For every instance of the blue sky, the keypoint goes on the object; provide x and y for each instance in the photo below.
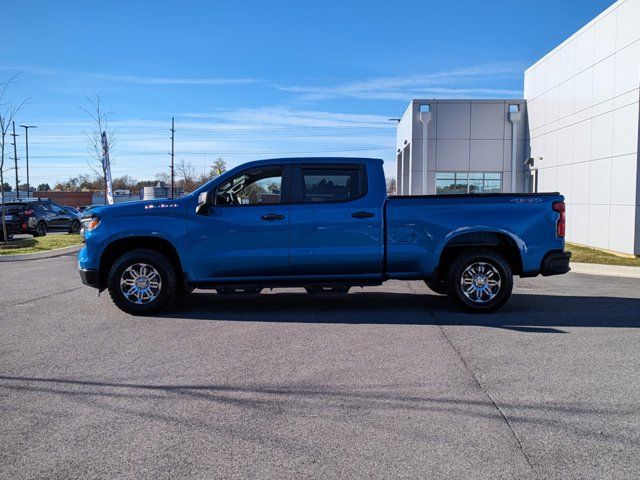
(249, 80)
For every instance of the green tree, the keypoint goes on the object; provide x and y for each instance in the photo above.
(44, 187)
(6, 187)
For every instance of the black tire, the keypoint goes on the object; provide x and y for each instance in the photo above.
(40, 230)
(478, 267)
(75, 227)
(167, 284)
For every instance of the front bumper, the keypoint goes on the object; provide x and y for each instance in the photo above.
(555, 263)
(90, 277)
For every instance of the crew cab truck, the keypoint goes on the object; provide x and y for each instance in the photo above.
(325, 224)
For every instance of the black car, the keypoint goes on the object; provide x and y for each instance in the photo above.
(37, 217)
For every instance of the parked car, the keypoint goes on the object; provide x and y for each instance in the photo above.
(324, 224)
(12, 222)
(37, 217)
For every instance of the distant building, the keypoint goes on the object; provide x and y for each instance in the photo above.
(576, 132)
(461, 146)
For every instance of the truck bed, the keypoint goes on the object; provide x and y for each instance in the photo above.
(420, 227)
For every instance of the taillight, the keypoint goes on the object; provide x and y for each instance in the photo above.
(562, 219)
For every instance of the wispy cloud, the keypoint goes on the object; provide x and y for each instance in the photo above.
(285, 117)
(172, 80)
(59, 150)
(456, 83)
(130, 79)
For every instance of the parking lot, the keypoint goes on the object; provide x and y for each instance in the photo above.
(389, 382)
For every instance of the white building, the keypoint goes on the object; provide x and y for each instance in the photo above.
(576, 132)
(583, 127)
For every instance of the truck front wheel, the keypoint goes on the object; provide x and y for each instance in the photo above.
(142, 281)
(480, 281)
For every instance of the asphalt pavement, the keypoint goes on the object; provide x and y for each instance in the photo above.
(389, 382)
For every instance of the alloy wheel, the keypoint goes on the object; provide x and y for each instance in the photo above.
(140, 283)
(480, 282)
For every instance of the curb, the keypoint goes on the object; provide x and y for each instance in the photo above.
(58, 252)
(605, 270)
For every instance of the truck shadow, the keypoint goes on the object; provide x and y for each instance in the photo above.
(534, 313)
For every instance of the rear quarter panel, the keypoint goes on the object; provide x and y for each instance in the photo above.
(419, 228)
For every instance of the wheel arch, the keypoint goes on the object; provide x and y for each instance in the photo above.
(502, 242)
(121, 246)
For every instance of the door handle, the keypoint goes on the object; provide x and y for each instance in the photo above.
(363, 215)
(270, 217)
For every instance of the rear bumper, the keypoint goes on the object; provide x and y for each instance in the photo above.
(90, 277)
(555, 263)
(13, 227)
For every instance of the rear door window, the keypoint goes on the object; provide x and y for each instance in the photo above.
(331, 184)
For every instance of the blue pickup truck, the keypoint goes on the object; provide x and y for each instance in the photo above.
(325, 224)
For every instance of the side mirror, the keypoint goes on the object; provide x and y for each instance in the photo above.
(204, 200)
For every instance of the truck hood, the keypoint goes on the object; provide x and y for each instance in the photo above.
(138, 207)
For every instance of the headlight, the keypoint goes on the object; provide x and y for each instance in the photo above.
(90, 223)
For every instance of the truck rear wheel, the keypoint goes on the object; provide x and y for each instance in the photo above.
(480, 281)
(142, 281)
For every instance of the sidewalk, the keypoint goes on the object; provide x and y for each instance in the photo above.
(605, 270)
(36, 256)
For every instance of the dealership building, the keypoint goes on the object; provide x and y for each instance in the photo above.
(576, 131)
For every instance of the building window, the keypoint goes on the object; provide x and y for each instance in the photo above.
(454, 182)
(468, 182)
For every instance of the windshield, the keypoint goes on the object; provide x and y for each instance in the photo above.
(14, 207)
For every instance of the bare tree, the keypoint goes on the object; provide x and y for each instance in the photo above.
(162, 177)
(391, 186)
(8, 111)
(99, 123)
(185, 170)
(218, 168)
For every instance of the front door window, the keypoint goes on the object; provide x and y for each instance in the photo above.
(258, 186)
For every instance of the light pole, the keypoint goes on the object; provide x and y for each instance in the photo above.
(15, 157)
(26, 139)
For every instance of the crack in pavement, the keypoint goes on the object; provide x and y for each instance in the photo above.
(43, 297)
(475, 377)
